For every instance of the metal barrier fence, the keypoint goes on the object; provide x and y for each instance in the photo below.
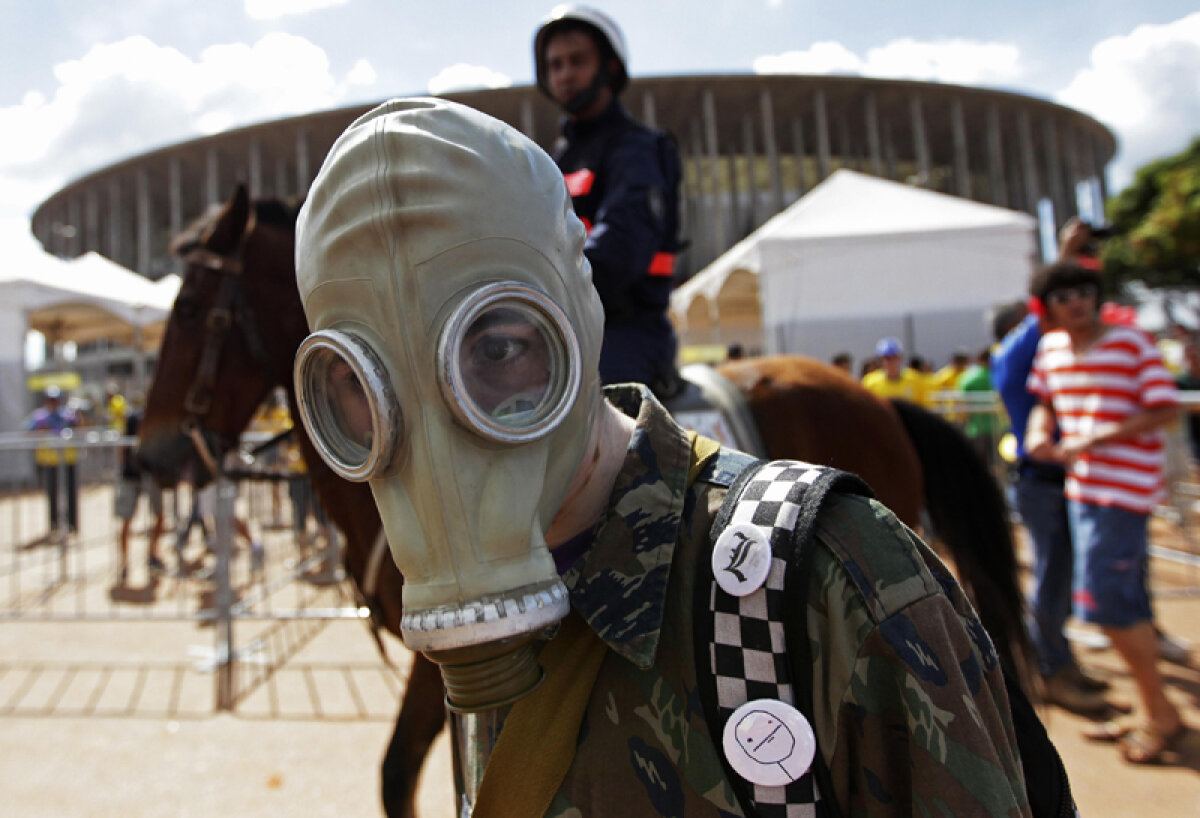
(66, 566)
(981, 417)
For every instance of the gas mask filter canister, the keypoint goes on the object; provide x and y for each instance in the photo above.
(452, 365)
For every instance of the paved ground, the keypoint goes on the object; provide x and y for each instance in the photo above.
(138, 737)
(117, 719)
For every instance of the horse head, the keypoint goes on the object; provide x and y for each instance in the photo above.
(234, 261)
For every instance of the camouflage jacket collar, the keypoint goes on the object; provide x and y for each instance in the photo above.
(619, 585)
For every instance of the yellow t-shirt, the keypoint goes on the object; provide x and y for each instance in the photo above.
(911, 385)
(118, 409)
(944, 380)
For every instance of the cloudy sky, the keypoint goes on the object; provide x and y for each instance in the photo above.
(88, 83)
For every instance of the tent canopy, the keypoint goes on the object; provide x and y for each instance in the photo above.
(89, 298)
(859, 245)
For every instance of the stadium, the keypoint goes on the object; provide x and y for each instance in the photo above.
(751, 144)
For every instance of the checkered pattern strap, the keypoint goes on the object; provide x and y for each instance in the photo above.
(748, 642)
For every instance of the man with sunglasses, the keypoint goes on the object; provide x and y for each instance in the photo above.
(1105, 391)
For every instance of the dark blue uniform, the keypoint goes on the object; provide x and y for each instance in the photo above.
(617, 184)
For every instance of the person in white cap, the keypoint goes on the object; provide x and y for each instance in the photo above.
(555, 536)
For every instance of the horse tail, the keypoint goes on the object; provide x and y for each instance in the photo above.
(968, 514)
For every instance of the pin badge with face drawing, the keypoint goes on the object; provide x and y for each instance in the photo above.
(769, 742)
(741, 559)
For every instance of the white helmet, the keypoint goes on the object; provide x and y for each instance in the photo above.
(600, 22)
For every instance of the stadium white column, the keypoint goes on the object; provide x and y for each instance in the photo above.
(735, 200)
(801, 157)
(709, 111)
(704, 204)
(212, 178)
(889, 150)
(91, 220)
(74, 232)
(1033, 193)
(871, 114)
(920, 142)
(1099, 169)
(302, 172)
(254, 162)
(115, 218)
(995, 144)
(649, 110)
(1054, 176)
(845, 148)
(962, 162)
(1071, 153)
(281, 177)
(143, 222)
(1095, 173)
(771, 147)
(527, 119)
(822, 120)
(748, 150)
(174, 195)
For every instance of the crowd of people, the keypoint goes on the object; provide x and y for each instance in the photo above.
(1088, 403)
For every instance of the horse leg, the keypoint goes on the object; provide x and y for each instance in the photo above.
(422, 713)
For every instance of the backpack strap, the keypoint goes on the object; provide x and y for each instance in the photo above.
(757, 645)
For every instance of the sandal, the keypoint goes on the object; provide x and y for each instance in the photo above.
(1109, 731)
(1146, 744)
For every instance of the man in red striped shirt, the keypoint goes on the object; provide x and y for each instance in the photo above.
(1106, 391)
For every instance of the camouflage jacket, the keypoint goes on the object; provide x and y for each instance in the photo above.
(910, 707)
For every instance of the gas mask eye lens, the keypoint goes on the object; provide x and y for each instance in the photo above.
(347, 404)
(347, 407)
(509, 362)
(505, 364)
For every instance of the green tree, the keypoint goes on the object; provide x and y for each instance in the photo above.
(1157, 221)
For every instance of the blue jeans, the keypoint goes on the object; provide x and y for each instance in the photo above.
(1111, 549)
(1043, 510)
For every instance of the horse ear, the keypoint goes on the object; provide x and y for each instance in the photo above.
(231, 223)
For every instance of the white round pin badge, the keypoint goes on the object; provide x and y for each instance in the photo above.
(769, 742)
(741, 559)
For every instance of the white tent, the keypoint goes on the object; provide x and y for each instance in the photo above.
(86, 299)
(81, 300)
(856, 259)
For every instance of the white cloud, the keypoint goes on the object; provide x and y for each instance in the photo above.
(122, 98)
(819, 58)
(363, 73)
(1146, 86)
(953, 60)
(462, 77)
(274, 9)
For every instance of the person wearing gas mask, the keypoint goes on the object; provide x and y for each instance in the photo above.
(555, 535)
(624, 180)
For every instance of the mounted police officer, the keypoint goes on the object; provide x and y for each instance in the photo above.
(623, 179)
(557, 537)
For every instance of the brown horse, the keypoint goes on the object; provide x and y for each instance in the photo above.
(238, 321)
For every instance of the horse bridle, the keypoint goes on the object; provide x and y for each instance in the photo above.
(231, 307)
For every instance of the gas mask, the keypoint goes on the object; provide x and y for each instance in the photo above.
(453, 365)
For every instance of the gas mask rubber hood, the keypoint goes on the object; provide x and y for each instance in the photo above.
(453, 365)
